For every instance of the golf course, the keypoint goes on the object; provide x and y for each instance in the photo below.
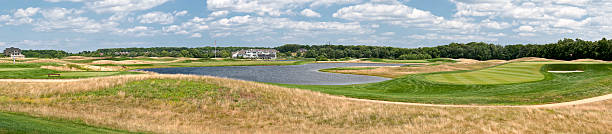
(85, 100)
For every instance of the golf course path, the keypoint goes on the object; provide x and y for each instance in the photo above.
(571, 103)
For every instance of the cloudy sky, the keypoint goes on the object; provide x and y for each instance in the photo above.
(76, 25)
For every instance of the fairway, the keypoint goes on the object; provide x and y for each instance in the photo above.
(504, 74)
(15, 69)
(88, 74)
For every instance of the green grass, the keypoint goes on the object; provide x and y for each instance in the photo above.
(394, 61)
(554, 88)
(15, 69)
(165, 89)
(87, 74)
(17, 123)
(349, 68)
(504, 74)
(33, 71)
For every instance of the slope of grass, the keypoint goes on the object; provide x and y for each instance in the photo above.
(504, 74)
(16, 123)
(594, 81)
(193, 104)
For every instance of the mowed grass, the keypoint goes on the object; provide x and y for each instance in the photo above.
(33, 71)
(554, 88)
(17, 124)
(15, 69)
(503, 74)
(87, 74)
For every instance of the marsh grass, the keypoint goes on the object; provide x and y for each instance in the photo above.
(144, 103)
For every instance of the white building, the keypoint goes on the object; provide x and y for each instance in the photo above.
(255, 54)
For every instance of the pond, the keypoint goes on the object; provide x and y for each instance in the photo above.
(306, 74)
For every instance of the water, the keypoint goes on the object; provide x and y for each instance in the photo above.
(306, 74)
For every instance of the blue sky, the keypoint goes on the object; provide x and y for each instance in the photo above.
(77, 25)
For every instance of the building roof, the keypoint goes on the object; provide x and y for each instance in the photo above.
(256, 50)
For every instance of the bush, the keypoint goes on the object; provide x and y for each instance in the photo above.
(321, 58)
(414, 56)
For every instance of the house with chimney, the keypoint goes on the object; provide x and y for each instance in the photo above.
(13, 52)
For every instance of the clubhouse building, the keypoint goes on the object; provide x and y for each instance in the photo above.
(255, 54)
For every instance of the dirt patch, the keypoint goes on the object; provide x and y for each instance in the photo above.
(46, 61)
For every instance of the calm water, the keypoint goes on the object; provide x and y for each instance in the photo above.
(307, 74)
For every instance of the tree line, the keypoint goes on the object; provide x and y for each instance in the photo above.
(566, 49)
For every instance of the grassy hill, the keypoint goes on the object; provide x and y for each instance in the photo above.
(193, 104)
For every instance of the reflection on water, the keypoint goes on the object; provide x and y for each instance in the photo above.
(307, 74)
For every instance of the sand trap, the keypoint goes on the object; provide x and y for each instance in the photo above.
(577, 71)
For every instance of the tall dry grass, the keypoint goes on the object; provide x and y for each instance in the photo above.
(263, 108)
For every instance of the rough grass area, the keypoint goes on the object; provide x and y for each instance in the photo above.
(193, 104)
(16, 124)
(504, 74)
(595, 81)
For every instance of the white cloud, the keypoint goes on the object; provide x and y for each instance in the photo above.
(196, 35)
(23, 16)
(138, 31)
(310, 13)
(526, 29)
(64, 0)
(59, 13)
(219, 13)
(180, 13)
(402, 15)
(30, 11)
(495, 25)
(269, 7)
(157, 17)
(388, 33)
(113, 6)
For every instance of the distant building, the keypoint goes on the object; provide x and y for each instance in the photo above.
(255, 54)
(13, 52)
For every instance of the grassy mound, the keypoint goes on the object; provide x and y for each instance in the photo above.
(191, 104)
(504, 74)
(595, 81)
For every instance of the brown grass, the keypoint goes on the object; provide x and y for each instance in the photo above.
(394, 72)
(262, 108)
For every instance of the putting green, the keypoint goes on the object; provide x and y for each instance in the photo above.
(88, 74)
(15, 69)
(504, 74)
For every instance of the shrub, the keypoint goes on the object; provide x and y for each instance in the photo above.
(414, 56)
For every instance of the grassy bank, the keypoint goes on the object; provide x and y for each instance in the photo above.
(192, 104)
(417, 88)
(18, 123)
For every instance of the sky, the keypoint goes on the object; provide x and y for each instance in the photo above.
(78, 25)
